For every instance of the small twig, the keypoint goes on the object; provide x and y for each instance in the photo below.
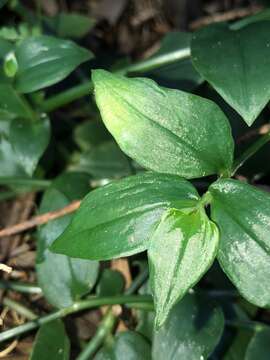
(265, 128)
(19, 308)
(20, 287)
(40, 219)
(225, 16)
(4, 353)
(5, 268)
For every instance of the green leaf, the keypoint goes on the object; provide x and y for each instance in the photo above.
(9, 162)
(191, 332)
(145, 318)
(2, 3)
(51, 342)
(242, 213)
(128, 345)
(263, 15)
(89, 134)
(110, 283)
(63, 279)
(259, 346)
(104, 161)
(29, 140)
(11, 104)
(157, 126)
(119, 218)
(236, 64)
(180, 74)
(5, 47)
(181, 250)
(44, 61)
(70, 25)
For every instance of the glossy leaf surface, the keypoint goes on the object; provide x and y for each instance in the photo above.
(119, 218)
(63, 279)
(9, 162)
(29, 140)
(44, 61)
(157, 126)
(235, 63)
(181, 250)
(51, 342)
(191, 332)
(128, 345)
(242, 213)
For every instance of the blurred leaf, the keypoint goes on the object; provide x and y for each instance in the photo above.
(70, 25)
(51, 342)
(45, 60)
(111, 283)
(191, 332)
(5, 47)
(146, 319)
(63, 279)
(2, 3)
(11, 104)
(259, 346)
(29, 140)
(91, 133)
(181, 74)
(104, 161)
(128, 345)
(156, 126)
(118, 219)
(240, 76)
(238, 347)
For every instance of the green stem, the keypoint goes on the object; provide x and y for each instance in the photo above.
(84, 89)
(19, 308)
(74, 308)
(256, 146)
(109, 320)
(20, 287)
(249, 325)
(29, 182)
(104, 329)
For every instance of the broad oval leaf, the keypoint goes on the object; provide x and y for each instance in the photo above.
(29, 139)
(128, 345)
(45, 60)
(51, 342)
(63, 279)
(119, 218)
(181, 250)
(191, 332)
(242, 213)
(259, 346)
(236, 63)
(157, 126)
